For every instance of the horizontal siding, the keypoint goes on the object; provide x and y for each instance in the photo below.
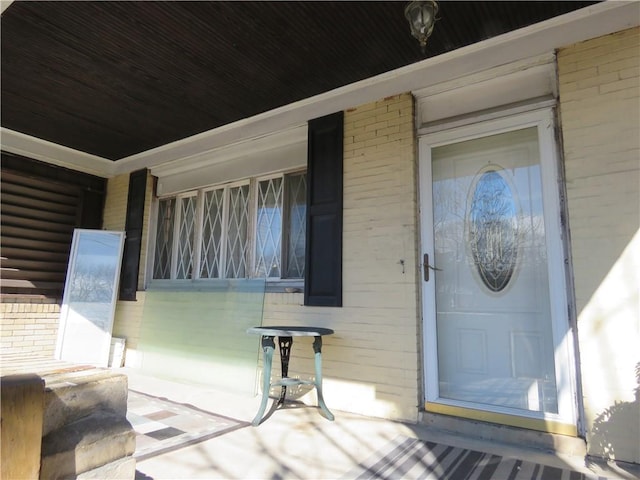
(38, 218)
(40, 206)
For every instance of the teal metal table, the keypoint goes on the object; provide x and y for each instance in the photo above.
(285, 336)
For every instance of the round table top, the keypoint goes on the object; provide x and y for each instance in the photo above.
(290, 331)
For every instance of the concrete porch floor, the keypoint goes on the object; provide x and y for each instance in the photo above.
(298, 443)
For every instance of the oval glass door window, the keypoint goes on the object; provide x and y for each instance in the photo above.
(493, 230)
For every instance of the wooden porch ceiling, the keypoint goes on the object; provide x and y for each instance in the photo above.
(114, 79)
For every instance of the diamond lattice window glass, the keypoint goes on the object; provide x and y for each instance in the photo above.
(164, 239)
(211, 251)
(237, 229)
(269, 228)
(296, 211)
(186, 237)
(209, 233)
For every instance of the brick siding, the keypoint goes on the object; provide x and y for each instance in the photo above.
(600, 113)
(371, 363)
(29, 326)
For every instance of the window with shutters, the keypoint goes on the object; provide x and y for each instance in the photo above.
(250, 229)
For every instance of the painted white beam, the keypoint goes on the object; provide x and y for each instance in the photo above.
(279, 151)
(52, 153)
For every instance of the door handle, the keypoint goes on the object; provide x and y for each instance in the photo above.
(426, 267)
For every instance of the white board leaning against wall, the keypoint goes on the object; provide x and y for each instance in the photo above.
(90, 294)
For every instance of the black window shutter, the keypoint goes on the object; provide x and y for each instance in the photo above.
(323, 256)
(133, 239)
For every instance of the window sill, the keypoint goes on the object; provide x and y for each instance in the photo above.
(270, 286)
(285, 286)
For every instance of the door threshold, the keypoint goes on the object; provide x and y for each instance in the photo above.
(487, 430)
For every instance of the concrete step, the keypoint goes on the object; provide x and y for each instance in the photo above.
(86, 444)
(70, 396)
(122, 469)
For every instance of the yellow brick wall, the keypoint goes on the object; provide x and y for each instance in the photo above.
(128, 315)
(600, 115)
(29, 326)
(128, 319)
(115, 205)
(371, 363)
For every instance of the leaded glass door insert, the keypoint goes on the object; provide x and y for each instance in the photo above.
(496, 327)
(493, 225)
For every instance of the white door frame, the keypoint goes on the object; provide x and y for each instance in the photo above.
(543, 119)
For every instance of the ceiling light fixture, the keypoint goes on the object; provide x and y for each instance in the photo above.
(422, 17)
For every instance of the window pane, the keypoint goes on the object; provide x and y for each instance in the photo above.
(186, 237)
(296, 188)
(237, 227)
(212, 235)
(269, 228)
(164, 239)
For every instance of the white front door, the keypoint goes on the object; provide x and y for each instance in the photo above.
(497, 336)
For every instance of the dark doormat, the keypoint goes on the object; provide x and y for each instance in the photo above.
(410, 458)
(162, 425)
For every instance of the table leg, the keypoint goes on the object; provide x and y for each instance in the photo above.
(317, 348)
(285, 351)
(268, 346)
